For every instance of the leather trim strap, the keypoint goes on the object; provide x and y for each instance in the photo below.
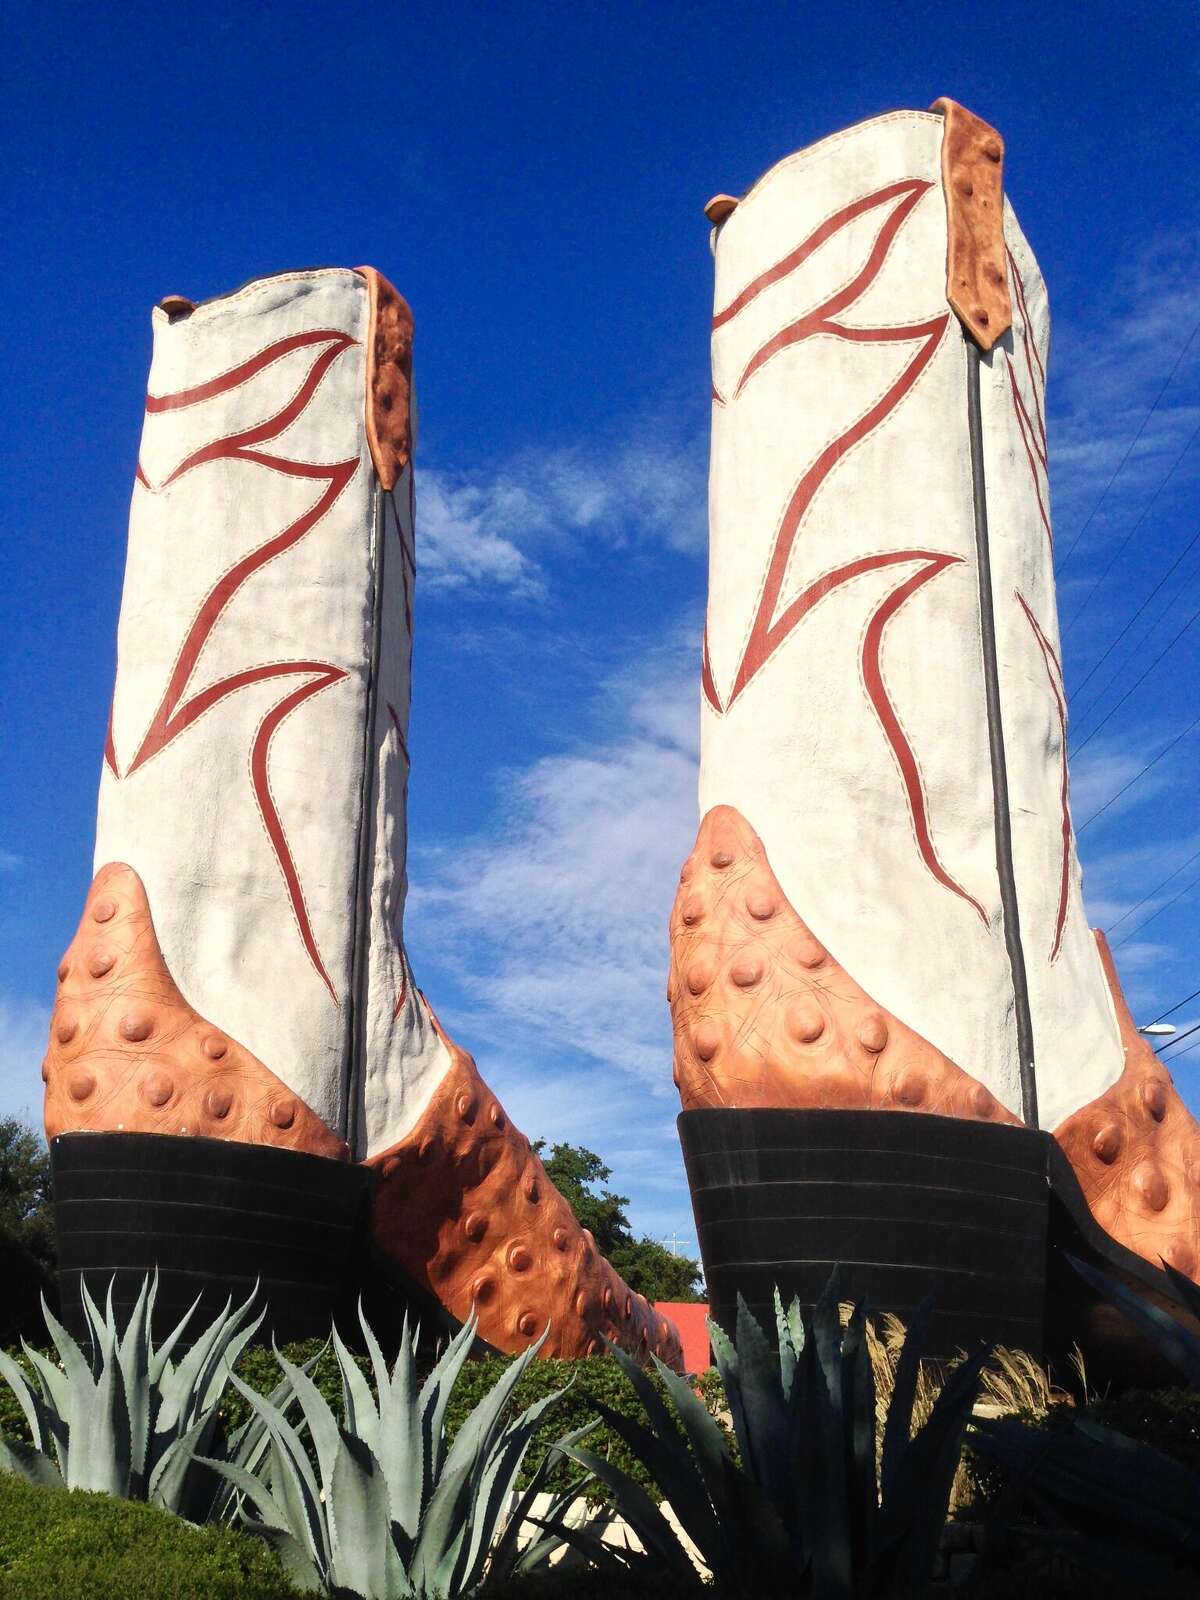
(389, 378)
(973, 180)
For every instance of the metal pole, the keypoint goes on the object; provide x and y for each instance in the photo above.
(991, 679)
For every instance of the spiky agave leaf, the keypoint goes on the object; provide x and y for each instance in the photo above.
(121, 1418)
(338, 1527)
(1120, 1507)
(510, 1559)
(449, 1513)
(803, 1512)
(1176, 1343)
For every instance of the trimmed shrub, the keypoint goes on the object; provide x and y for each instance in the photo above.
(1166, 1419)
(58, 1543)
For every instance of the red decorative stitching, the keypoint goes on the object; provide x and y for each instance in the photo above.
(1033, 433)
(767, 631)
(1031, 350)
(1055, 674)
(175, 713)
(908, 191)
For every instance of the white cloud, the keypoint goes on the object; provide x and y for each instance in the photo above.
(1099, 773)
(489, 527)
(458, 542)
(24, 1025)
(1109, 365)
(556, 923)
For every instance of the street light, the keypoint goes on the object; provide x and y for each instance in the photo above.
(1159, 1029)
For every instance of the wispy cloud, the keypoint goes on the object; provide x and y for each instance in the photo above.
(1100, 773)
(555, 922)
(494, 526)
(10, 861)
(23, 1028)
(1108, 367)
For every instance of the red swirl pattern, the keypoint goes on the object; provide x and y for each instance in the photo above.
(177, 710)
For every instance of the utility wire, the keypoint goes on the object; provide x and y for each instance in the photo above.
(1166, 906)
(1179, 1038)
(1132, 443)
(1146, 510)
(1190, 623)
(1179, 559)
(1172, 1011)
(1181, 1053)
(1137, 779)
(1146, 898)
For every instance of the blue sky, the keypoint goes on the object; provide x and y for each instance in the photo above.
(531, 177)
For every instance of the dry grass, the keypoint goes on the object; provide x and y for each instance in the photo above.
(1012, 1381)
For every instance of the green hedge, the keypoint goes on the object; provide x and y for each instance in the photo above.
(56, 1545)
(594, 1375)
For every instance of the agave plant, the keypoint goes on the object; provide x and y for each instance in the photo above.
(1106, 1502)
(126, 1419)
(1175, 1343)
(805, 1512)
(391, 1510)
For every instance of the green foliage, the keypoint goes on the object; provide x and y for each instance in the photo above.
(392, 1509)
(26, 1229)
(126, 1419)
(1105, 1503)
(1167, 1419)
(26, 1200)
(591, 1379)
(1105, 1500)
(647, 1267)
(56, 1545)
(802, 1513)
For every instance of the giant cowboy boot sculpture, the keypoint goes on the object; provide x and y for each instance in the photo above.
(240, 972)
(883, 909)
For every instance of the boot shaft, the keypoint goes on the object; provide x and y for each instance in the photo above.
(844, 704)
(256, 767)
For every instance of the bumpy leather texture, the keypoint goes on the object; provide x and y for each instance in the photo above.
(128, 1053)
(255, 776)
(1136, 1152)
(465, 1207)
(764, 1014)
(843, 709)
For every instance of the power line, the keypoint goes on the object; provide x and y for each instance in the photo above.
(1146, 898)
(1166, 906)
(1179, 1040)
(1149, 506)
(1172, 1011)
(1136, 779)
(1191, 622)
(1191, 545)
(1182, 1053)
(1132, 443)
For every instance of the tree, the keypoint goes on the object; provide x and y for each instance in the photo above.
(26, 1231)
(26, 1203)
(578, 1173)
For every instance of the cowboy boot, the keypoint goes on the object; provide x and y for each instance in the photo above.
(883, 718)
(251, 834)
